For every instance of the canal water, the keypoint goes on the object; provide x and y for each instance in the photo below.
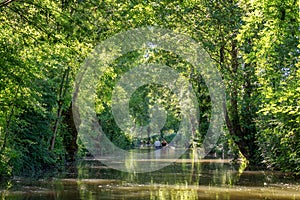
(185, 179)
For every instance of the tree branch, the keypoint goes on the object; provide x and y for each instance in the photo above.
(5, 3)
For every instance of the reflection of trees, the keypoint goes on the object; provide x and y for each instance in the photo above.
(179, 192)
(186, 179)
(187, 170)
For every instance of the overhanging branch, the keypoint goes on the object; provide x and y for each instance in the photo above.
(5, 3)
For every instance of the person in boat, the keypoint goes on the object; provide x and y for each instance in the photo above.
(157, 144)
(164, 143)
(148, 143)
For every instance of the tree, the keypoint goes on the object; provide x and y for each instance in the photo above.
(36, 50)
(271, 45)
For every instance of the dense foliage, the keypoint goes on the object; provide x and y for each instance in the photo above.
(270, 41)
(254, 44)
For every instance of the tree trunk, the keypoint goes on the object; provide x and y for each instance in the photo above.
(8, 121)
(70, 137)
(243, 134)
(62, 93)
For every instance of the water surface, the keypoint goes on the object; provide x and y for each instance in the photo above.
(185, 179)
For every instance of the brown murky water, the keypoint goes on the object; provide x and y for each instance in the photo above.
(185, 179)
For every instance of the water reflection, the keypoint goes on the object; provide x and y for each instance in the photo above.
(186, 179)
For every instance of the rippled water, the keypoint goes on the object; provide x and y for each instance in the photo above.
(185, 179)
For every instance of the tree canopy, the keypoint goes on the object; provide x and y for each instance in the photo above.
(254, 44)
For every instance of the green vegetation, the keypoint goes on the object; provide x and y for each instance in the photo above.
(254, 44)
